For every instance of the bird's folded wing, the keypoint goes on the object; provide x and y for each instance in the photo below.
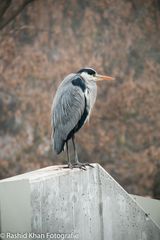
(68, 110)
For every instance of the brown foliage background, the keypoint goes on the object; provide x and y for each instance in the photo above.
(52, 38)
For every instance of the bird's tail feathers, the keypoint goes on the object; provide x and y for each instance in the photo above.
(58, 143)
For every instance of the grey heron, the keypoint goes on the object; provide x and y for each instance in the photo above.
(71, 108)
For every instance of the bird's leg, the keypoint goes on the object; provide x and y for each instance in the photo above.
(68, 156)
(75, 150)
(77, 163)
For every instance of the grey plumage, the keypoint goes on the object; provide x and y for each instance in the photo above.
(71, 108)
(68, 108)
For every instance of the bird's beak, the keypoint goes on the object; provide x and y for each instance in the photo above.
(103, 77)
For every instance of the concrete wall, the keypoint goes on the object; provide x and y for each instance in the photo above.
(88, 205)
(150, 206)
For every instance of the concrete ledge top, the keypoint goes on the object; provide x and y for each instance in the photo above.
(90, 203)
(48, 172)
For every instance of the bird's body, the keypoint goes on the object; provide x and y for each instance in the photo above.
(71, 108)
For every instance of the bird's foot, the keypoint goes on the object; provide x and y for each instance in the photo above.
(88, 164)
(79, 165)
(82, 165)
(70, 165)
(76, 165)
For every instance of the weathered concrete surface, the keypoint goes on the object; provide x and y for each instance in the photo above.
(150, 206)
(89, 204)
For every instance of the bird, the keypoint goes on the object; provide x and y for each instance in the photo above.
(71, 108)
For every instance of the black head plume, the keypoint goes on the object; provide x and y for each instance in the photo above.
(88, 70)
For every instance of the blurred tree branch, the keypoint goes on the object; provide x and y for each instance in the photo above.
(5, 6)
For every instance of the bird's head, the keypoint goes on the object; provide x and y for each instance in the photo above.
(90, 74)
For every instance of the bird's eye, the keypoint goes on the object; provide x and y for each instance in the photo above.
(92, 73)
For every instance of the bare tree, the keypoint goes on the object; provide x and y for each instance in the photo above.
(6, 6)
